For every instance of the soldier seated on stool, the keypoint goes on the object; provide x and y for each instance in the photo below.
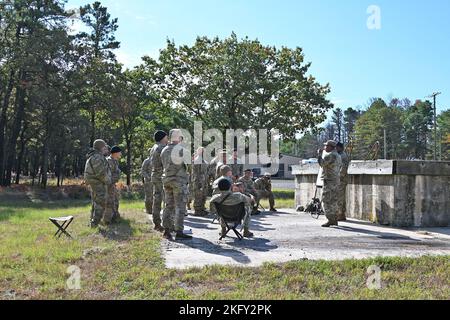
(234, 198)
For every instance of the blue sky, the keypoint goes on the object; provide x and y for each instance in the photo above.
(409, 56)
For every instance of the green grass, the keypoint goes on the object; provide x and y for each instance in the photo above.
(128, 264)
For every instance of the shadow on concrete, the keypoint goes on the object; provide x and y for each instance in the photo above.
(380, 235)
(215, 249)
(424, 230)
(255, 244)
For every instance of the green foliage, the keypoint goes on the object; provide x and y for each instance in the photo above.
(444, 133)
(235, 83)
(370, 127)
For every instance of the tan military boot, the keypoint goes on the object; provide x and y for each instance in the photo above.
(181, 236)
(247, 233)
(159, 228)
(167, 235)
(330, 224)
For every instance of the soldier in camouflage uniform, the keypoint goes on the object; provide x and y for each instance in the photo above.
(113, 193)
(249, 188)
(216, 163)
(236, 166)
(157, 173)
(330, 161)
(98, 176)
(175, 181)
(343, 182)
(225, 173)
(229, 198)
(263, 188)
(146, 174)
(199, 180)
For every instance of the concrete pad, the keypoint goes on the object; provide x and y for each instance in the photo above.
(287, 236)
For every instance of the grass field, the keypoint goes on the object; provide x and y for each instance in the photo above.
(125, 262)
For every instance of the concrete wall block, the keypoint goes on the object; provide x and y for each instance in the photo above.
(397, 193)
(432, 201)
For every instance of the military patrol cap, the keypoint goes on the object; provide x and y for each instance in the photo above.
(99, 144)
(159, 135)
(115, 149)
(330, 143)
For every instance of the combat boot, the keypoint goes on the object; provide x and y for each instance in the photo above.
(181, 236)
(93, 224)
(256, 212)
(273, 210)
(159, 228)
(167, 235)
(202, 213)
(330, 224)
(247, 233)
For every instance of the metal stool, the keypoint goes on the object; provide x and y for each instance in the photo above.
(62, 224)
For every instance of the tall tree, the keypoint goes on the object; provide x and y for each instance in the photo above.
(99, 59)
(444, 130)
(417, 127)
(372, 125)
(235, 83)
(338, 121)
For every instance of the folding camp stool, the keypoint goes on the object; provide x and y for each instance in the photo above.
(62, 224)
(232, 217)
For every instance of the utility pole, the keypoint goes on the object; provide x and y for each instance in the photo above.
(434, 95)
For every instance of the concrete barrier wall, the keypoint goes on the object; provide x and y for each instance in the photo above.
(396, 193)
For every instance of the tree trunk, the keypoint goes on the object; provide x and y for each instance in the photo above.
(92, 125)
(3, 120)
(128, 141)
(44, 168)
(21, 153)
(17, 124)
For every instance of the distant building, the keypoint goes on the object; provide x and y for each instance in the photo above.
(284, 168)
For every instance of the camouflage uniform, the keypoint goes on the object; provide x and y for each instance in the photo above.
(249, 187)
(190, 187)
(175, 181)
(214, 168)
(113, 193)
(146, 173)
(98, 176)
(343, 186)
(331, 165)
(199, 179)
(264, 190)
(157, 173)
(236, 167)
(234, 199)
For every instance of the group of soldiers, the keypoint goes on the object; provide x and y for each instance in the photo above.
(173, 183)
(177, 184)
(334, 162)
